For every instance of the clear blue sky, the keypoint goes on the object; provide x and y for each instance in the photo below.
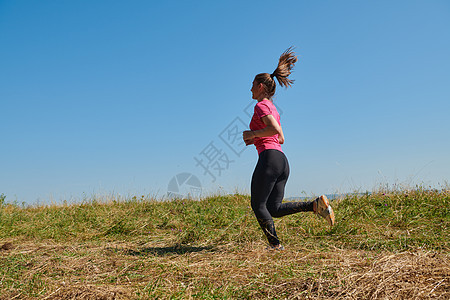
(118, 97)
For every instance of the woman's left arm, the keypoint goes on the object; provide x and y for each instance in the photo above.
(272, 128)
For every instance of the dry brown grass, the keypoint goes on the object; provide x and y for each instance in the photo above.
(128, 270)
(383, 246)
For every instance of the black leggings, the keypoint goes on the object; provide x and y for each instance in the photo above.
(267, 192)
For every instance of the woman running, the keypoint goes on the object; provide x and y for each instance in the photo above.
(272, 170)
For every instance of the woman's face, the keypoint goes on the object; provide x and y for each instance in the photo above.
(256, 90)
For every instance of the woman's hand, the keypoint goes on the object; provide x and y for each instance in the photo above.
(249, 137)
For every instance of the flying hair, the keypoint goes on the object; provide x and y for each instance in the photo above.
(285, 65)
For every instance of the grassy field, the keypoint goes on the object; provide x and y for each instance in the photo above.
(392, 245)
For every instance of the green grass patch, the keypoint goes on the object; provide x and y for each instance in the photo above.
(214, 249)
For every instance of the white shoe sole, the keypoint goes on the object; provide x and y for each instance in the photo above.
(324, 209)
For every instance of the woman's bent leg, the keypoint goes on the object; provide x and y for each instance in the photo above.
(278, 209)
(275, 206)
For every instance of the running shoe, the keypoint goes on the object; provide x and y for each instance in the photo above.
(323, 208)
(276, 248)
